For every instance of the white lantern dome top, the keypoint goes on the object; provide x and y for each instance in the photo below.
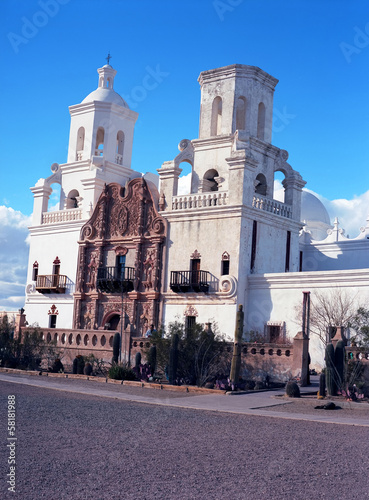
(105, 91)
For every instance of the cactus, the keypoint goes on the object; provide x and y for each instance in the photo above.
(152, 358)
(87, 369)
(322, 385)
(236, 359)
(75, 365)
(116, 347)
(80, 365)
(173, 359)
(292, 389)
(339, 362)
(330, 373)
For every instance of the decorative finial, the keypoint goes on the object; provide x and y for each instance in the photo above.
(109, 57)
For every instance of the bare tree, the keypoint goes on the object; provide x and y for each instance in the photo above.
(330, 310)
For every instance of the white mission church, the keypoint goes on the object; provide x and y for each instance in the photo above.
(126, 241)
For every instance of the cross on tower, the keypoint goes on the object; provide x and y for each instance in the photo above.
(109, 57)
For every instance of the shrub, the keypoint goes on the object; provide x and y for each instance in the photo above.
(121, 372)
(87, 369)
(57, 366)
(292, 389)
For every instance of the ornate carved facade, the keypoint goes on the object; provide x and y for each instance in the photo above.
(124, 233)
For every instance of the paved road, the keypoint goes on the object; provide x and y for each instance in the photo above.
(77, 446)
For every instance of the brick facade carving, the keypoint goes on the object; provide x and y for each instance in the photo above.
(125, 222)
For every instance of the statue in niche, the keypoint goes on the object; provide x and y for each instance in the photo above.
(149, 268)
(92, 270)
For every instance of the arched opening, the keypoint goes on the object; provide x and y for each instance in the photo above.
(278, 189)
(216, 116)
(99, 148)
(72, 200)
(261, 185)
(185, 179)
(54, 199)
(108, 83)
(208, 182)
(120, 147)
(261, 121)
(241, 113)
(80, 143)
(114, 322)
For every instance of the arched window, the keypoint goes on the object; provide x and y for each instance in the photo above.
(99, 148)
(72, 200)
(80, 143)
(108, 83)
(54, 199)
(261, 185)
(120, 147)
(261, 121)
(216, 116)
(209, 183)
(241, 113)
(225, 263)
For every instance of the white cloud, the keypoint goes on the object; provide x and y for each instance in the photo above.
(184, 184)
(13, 257)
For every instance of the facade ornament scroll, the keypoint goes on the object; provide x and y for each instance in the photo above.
(186, 153)
(195, 255)
(53, 310)
(191, 311)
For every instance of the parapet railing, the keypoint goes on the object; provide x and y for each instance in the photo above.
(200, 200)
(62, 216)
(272, 206)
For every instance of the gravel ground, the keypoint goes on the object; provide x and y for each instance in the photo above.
(306, 405)
(73, 446)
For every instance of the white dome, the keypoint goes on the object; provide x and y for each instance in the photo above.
(105, 95)
(312, 209)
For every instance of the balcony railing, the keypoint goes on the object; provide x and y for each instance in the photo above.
(202, 200)
(189, 281)
(272, 206)
(62, 215)
(51, 283)
(115, 280)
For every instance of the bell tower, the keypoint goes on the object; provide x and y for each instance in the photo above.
(102, 125)
(237, 97)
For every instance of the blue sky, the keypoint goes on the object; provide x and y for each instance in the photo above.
(318, 49)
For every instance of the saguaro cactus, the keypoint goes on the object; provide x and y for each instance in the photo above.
(236, 359)
(330, 374)
(116, 347)
(339, 362)
(173, 359)
(152, 358)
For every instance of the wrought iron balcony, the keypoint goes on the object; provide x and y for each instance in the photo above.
(189, 281)
(51, 283)
(115, 279)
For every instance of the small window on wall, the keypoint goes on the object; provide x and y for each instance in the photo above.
(190, 323)
(52, 321)
(35, 271)
(225, 264)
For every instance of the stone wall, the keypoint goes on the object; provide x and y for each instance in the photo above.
(257, 360)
